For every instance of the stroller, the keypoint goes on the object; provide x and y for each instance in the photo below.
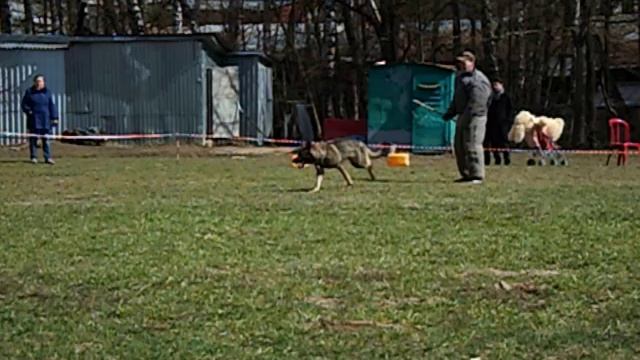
(545, 149)
(540, 134)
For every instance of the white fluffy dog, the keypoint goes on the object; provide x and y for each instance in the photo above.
(539, 133)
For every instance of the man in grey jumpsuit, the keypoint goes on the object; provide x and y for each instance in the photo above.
(470, 103)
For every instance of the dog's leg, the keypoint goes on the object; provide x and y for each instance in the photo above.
(370, 170)
(345, 174)
(368, 164)
(319, 179)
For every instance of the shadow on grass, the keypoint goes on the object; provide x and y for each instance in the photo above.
(390, 181)
(298, 190)
(15, 161)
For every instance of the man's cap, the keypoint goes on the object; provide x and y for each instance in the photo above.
(466, 55)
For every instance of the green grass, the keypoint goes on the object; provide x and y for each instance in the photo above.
(150, 258)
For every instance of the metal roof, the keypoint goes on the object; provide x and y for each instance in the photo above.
(31, 46)
(30, 42)
(244, 54)
(56, 42)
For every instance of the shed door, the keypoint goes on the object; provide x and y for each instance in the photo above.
(209, 97)
(432, 95)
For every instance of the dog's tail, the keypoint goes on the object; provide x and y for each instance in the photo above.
(385, 151)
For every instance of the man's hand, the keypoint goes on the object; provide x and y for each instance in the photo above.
(54, 122)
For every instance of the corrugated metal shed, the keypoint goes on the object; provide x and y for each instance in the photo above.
(129, 85)
(19, 63)
(256, 94)
(136, 87)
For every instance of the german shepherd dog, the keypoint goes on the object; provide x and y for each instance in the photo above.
(333, 154)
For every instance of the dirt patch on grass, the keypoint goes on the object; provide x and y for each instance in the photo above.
(323, 302)
(507, 273)
(412, 301)
(372, 275)
(357, 325)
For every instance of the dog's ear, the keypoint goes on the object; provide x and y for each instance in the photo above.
(318, 151)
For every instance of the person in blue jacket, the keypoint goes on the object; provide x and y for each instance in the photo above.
(42, 116)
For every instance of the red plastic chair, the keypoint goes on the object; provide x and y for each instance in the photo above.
(620, 140)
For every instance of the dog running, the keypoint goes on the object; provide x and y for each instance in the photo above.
(334, 154)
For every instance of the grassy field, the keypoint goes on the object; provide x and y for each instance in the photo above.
(218, 257)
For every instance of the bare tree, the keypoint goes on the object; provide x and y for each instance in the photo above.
(578, 76)
(589, 135)
(542, 53)
(331, 40)
(354, 41)
(190, 13)
(59, 15)
(28, 26)
(489, 25)
(177, 16)
(111, 23)
(81, 27)
(5, 17)
(136, 18)
(457, 32)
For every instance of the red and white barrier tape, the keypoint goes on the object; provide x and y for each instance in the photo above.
(288, 142)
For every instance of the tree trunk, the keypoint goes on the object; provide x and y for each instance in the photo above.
(28, 17)
(357, 55)
(5, 17)
(100, 20)
(59, 14)
(331, 41)
(510, 37)
(590, 109)
(614, 102)
(177, 16)
(122, 9)
(522, 58)
(541, 71)
(489, 25)
(421, 31)
(579, 76)
(136, 18)
(564, 96)
(457, 33)
(81, 18)
(435, 34)
(474, 33)
(45, 16)
(387, 30)
(189, 14)
(111, 19)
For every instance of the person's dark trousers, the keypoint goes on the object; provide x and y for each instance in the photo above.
(495, 139)
(33, 144)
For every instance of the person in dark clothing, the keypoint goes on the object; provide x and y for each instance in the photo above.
(42, 116)
(499, 121)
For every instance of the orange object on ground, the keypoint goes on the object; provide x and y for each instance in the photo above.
(398, 160)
